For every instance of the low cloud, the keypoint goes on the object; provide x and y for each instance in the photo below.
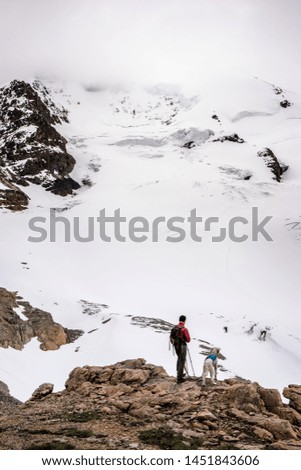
(105, 41)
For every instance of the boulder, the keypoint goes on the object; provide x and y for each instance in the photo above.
(293, 393)
(246, 397)
(52, 337)
(279, 428)
(129, 376)
(4, 390)
(205, 415)
(271, 398)
(263, 434)
(42, 391)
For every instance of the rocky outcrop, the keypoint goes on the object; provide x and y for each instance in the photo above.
(42, 391)
(273, 163)
(230, 138)
(15, 331)
(135, 405)
(285, 104)
(189, 145)
(31, 149)
(215, 117)
(6, 400)
(11, 197)
(293, 393)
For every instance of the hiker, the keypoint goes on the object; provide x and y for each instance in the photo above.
(179, 337)
(263, 335)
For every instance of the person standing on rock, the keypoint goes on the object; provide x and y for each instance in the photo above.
(179, 337)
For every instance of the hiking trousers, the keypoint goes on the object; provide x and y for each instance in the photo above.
(181, 351)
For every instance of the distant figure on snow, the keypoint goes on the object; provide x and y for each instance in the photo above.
(263, 335)
(179, 337)
(225, 329)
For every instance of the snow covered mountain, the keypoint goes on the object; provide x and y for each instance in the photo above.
(228, 148)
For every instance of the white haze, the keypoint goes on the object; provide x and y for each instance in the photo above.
(175, 41)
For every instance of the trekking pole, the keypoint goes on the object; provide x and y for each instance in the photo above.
(190, 362)
(186, 370)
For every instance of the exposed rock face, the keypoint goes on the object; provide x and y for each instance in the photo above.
(11, 196)
(42, 391)
(215, 116)
(135, 405)
(277, 90)
(4, 390)
(15, 332)
(285, 104)
(6, 400)
(230, 138)
(31, 149)
(189, 145)
(293, 393)
(273, 163)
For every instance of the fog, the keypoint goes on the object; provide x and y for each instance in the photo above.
(148, 41)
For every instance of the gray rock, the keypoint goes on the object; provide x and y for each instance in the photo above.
(273, 163)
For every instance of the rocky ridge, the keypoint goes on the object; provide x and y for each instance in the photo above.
(135, 405)
(20, 322)
(31, 149)
(272, 162)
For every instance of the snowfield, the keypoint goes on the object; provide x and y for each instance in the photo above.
(128, 145)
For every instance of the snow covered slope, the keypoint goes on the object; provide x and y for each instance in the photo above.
(163, 152)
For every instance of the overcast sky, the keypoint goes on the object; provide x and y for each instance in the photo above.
(150, 40)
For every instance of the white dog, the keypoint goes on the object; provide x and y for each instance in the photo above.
(210, 366)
